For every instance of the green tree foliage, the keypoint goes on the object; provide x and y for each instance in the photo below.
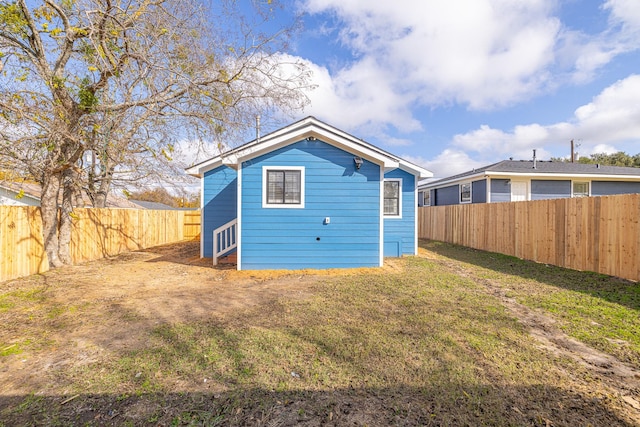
(616, 159)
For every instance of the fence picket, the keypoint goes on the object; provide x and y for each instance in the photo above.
(600, 234)
(96, 233)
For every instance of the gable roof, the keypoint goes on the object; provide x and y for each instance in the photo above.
(542, 168)
(309, 128)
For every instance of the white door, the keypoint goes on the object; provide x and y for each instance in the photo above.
(518, 191)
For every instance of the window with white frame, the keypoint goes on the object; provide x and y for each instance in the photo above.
(426, 198)
(580, 189)
(393, 197)
(283, 187)
(465, 192)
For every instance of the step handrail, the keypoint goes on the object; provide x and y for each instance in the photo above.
(225, 239)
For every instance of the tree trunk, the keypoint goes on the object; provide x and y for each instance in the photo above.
(103, 190)
(69, 189)
(49, 212)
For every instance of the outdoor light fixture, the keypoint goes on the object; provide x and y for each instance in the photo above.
(358, 161)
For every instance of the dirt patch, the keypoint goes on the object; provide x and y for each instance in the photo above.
(113, 301)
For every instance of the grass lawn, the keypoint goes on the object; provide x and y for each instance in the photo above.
(436, 340)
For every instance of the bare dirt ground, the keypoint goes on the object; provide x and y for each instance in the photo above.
(171, 284)
(167, 284)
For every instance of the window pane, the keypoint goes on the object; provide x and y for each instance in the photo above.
(580, 189)
(390, 206)
(465, 192)
(391, 189)
(284, 187)
(391, 198)
(275, 187)
(292, 187)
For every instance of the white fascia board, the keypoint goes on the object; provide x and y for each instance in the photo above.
(199, 169)
(465, 178)
(565, 176)
(307, 128)
(314, 131)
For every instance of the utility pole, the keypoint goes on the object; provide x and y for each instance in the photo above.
(573, 156)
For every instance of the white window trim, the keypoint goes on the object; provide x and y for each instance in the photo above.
(581, 182)
(265, 169)
(425, 193)
(399, 216)
(460, 192)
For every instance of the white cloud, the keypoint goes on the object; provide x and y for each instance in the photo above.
(625, 12)
(447, 163)
(611, 118)
(485, 54)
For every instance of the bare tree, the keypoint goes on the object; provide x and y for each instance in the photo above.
(90, 87)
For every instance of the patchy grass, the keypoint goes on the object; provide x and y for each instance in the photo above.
(423, 343)
(599, 310)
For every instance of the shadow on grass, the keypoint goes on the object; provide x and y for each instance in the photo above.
(612, 289)
(459, 405)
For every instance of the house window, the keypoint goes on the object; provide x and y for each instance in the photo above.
(580, 189)
(426, 198)
(465, 192)
(283, 187)
(392, 197)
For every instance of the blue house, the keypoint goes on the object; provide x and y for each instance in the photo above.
(308, 196)
(520, 180)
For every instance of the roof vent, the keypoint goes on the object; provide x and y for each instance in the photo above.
(597, 165)
(535, 160)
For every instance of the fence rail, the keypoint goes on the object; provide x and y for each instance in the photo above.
(600, 234)
(96, 233)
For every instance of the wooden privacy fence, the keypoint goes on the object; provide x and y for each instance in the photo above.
(600, 234)
(96, 233)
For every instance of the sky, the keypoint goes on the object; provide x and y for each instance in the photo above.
(465, 83)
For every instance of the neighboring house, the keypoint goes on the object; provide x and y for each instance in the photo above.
(308, 196)
(14, 194)
(28, 194)
(153, 205)
(517, 180)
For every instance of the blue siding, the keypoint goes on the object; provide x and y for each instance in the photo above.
(479, 191)
(220, 206)
(447, 196)
(399, 233)
(500, 190)
(293, 238)
(541, 190)
(604, 188)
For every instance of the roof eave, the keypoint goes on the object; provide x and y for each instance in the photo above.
(310, 129)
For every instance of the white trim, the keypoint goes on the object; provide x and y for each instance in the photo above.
(565, 176)
(488, 188)
(267, 205)
(575, 181)
(381, 207)
(425, 193)
(529, 175)
(460, 192)
(399, 216)
(416, 195)
(311, 129)
(239, 216)
(201, 218)
(526, 183)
